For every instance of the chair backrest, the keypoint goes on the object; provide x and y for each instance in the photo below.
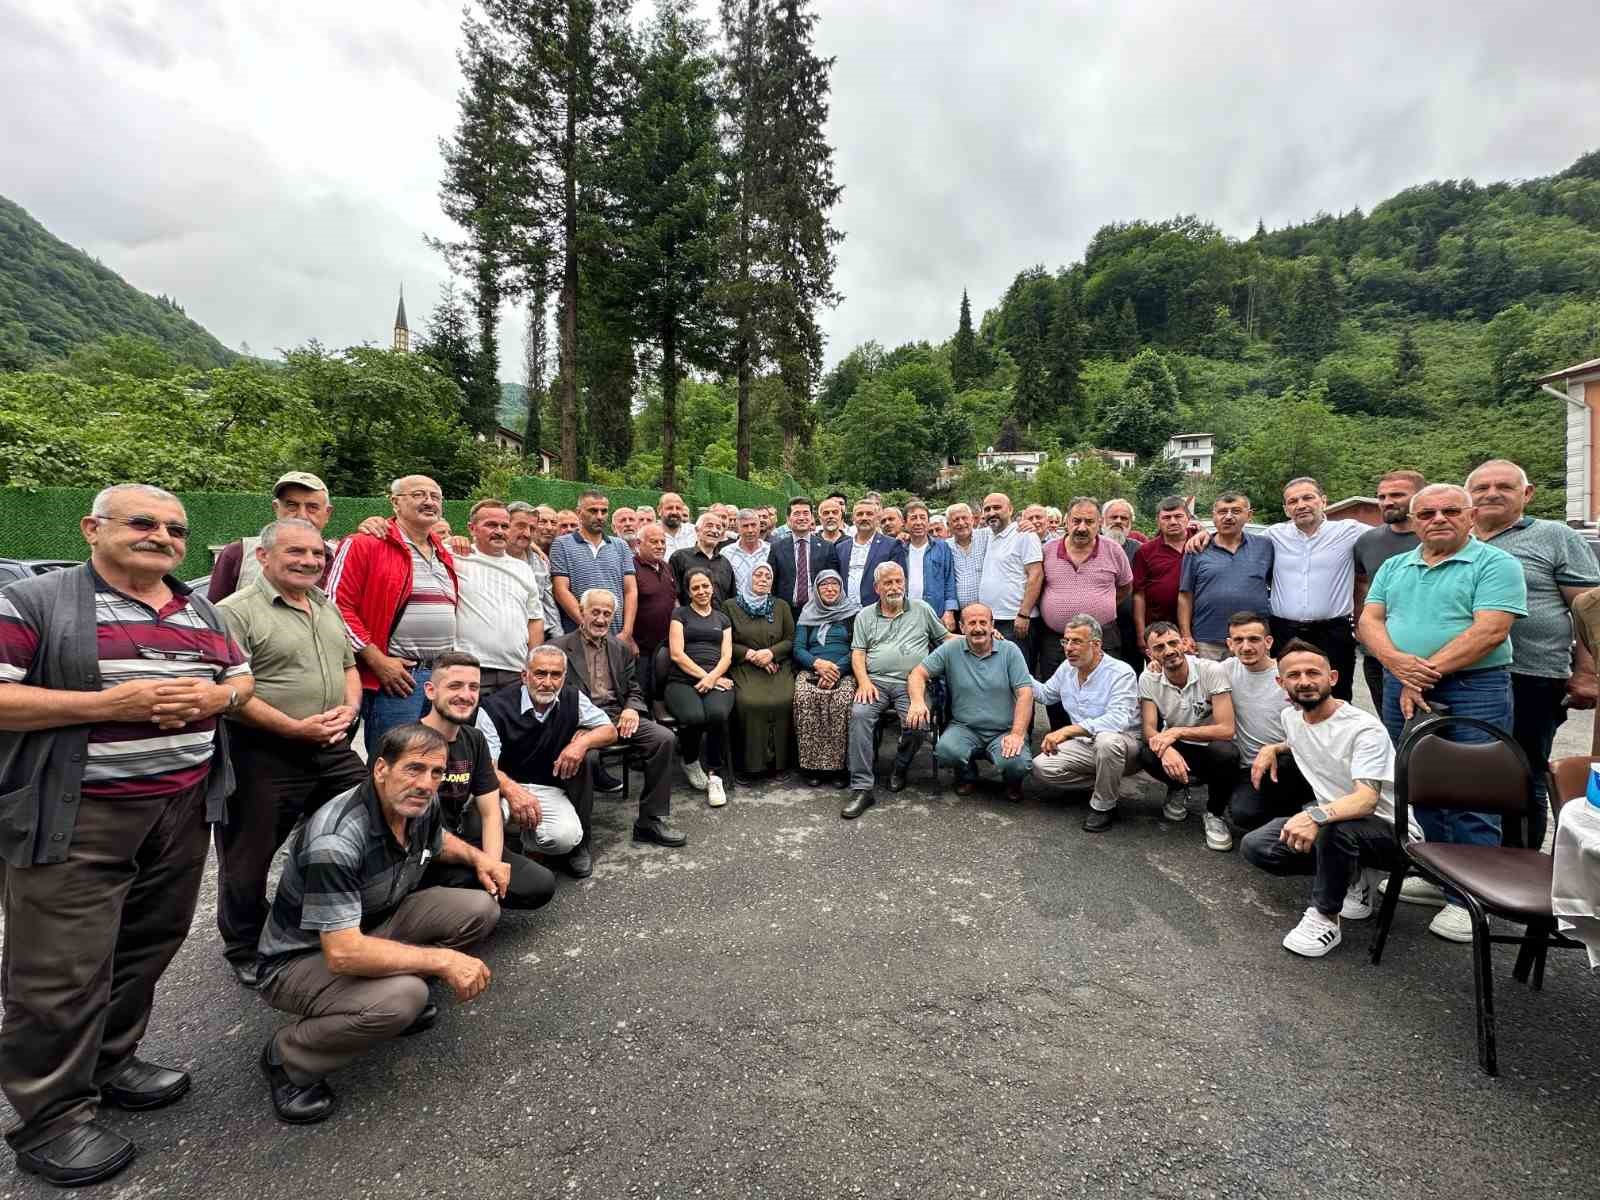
(1569, 780)
(1433, 772)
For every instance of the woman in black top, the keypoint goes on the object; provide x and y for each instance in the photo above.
(699, 692)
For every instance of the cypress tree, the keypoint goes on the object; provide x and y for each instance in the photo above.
(964, 350)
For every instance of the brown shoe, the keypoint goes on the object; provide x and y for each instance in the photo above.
(965, 787)
(1014, 790)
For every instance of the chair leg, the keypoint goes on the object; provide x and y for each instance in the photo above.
(1543, 948)
(1484, 990)
(1391, 901)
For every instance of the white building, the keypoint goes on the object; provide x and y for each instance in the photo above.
(1117, 460)
(1579, 386)
(1020, 462)
(1195, 451)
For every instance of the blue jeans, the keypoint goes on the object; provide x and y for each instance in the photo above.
(1485, 695)
(381, 712)
(958, 743)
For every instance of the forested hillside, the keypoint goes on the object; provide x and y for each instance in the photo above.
(54, 299)
(1407, 335)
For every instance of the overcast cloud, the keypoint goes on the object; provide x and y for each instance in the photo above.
(275, 166)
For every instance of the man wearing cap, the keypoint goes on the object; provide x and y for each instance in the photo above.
(297, 495)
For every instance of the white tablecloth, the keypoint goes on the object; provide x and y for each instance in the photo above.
(1575, 891)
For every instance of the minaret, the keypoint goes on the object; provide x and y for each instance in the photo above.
(402, 332)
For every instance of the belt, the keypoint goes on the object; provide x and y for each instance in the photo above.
(1345, 620)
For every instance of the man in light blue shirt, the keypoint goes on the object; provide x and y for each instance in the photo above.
(1101, 697)
(991, 702)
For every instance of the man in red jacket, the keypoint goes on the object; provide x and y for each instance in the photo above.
(397, 595)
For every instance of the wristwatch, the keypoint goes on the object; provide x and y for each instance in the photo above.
(1319, 814)
(233, 702)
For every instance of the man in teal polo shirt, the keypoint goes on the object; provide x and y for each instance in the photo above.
(1439, 617)
(991, 702)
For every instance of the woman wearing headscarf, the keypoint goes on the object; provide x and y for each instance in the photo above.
(763, 679)
(823, 690)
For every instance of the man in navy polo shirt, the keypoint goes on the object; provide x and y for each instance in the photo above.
(1232, 574)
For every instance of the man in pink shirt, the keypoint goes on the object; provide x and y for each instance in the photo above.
(1083, 573)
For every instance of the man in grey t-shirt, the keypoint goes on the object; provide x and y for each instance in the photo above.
(1186, 714)
(1377, 546)
(1558, 565)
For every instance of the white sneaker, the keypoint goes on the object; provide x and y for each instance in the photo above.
(1217, 835)
(1415, 890)
(716, 797)
(1313, 937)
(1177, 806)
(696, 774)
(1358, 897)
(1453, 924)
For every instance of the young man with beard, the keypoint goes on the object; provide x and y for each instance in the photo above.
(1259, 702)
(1376, 547)
(675, 520)
(1347, 836)
(1187, 720)
(469, 793)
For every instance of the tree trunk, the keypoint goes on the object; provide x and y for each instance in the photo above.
(669, 404)
(742, 348)
(569, 277)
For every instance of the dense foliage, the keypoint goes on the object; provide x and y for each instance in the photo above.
(54, 299)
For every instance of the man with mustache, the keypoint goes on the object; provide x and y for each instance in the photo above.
(353, 940)
(1186, 712)
(1377, 546)
(291, 740)
(1232, 574)
(397, 594)
(1438, 618)
(297, 494)
(1558, 567)
(586, 559)
(113, 760)
(1346, 837)
(533, 528)
(500, 612)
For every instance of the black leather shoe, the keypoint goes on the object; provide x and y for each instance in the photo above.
(245, 973)
(297, 1105)
(897, 779)
(1014, 790)
(659, 832)
(813, 779)
(1099, 822)
(859, 803)
(841, 781)
(82, 1155)
(965, 787)
(141, 1085)
(605, 782)
(426, 1019)
(580, 863)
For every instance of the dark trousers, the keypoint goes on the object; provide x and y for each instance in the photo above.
(280, 781)
(655, 742)
(1372, 669)
(87, 940)
(1028, 643)
(1334, 637)
(1251, 807)
(1215, 764)
(532, 884)
(492, 679)
(1339, 851)
(694, 713)
(1536, 714)
(1128, 648)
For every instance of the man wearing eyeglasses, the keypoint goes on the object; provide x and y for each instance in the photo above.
(397, 595)
(297, 495)
(113, 762)
(1438, 618)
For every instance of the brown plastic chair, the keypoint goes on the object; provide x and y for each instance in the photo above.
(1486, 777)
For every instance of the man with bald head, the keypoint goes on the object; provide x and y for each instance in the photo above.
(1013, 574)
(397, 594)
(674, 514)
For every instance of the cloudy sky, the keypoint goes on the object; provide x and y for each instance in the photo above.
(275, 166)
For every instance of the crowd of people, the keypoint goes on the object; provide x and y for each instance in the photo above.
(499, 678)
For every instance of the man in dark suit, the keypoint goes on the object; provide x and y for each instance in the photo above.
(857, 557)
(798, 554)
(607, 672)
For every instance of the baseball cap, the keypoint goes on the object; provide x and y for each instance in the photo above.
(303, 479)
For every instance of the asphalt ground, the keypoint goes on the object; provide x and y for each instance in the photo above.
(947, 997)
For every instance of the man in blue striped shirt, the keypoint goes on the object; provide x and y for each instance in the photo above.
(587, 558)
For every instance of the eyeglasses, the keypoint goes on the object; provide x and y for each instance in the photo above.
(1428, 514)
(419, 497)
(176, 530)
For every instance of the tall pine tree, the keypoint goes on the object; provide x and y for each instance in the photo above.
(964, 350)
(1064, 364)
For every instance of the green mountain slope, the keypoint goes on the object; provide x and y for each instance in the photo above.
(54, 298)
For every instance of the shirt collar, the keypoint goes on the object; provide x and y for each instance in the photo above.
(527, 705)
(1521, 522)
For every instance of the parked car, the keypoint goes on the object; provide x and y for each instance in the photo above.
(13, 569)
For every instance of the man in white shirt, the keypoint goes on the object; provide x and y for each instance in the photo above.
(675, 520)
(500, 610)
(1013, 574)
(1186, 714)
(1347, 836)
(1101, 697)
(1259, 702)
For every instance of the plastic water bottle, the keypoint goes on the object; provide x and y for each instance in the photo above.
(1594, 785)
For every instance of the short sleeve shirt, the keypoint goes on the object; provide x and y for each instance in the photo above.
(1005, 570)
(702, 638)
(1157, 571)
(298, 656)
(426, 626)
(468, 773)
(1426, 606)
(1222, 582)
(983, 691)
(499, 596)
(1552, 557)
(585, 565)
(1377, 546)
(894, 645)
(1190, 704)
(1258, 704)
(1070, 589)
(1333, 754)
(968, 564)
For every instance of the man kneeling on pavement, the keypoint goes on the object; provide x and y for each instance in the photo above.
(1346, 838)
(352, 940)
(606, 671)
(991, 702)
(542, 737)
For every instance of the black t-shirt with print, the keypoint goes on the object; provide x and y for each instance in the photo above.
(468, 772)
